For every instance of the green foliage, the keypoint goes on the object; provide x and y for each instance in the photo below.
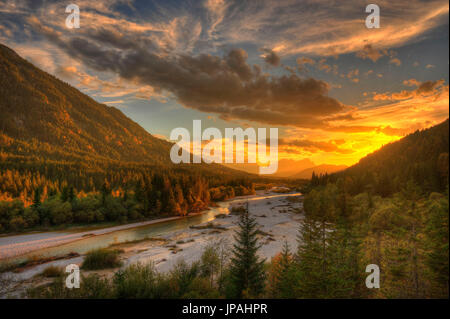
(436, 242)
(282, 279)
(139, 281)
(210, 263)
(91, 287)
(101, 259)
(52, 271)
(246, 269)
(154, 195)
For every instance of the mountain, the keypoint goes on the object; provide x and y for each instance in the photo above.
(35, 106)
(421, 157)
(50, 131)
(289, 167)
(320, 169)
(286, 167)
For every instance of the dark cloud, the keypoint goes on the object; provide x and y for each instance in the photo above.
(429, 87)
(271, 58)
(225, 85)
(425, 89)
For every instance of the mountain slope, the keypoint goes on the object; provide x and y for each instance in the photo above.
(421, 157)
(37, 106)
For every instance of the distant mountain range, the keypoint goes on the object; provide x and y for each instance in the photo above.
(290, 168)
(320, 169)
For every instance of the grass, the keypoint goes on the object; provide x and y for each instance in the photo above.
(52, 272)
(101, 259)
(236, 210)
(209, 225)
(137, 241)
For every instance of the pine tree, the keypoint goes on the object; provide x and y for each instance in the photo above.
(436, 240)
(247, 269)
(105, 191)
(37, 198)
(283, 286)
(71, 194)
(309, 262)
(65, 194)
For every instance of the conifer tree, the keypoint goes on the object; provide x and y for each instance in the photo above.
(283, 286)
(309, 262)
(247, 269)
(37, 198)
(436, 240)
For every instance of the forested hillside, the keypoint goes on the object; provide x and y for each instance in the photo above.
(421, 157)
(51, 115)
(65, 158)
(391, 209)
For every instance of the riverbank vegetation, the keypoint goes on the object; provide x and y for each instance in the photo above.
(153, 196)
(101, 259)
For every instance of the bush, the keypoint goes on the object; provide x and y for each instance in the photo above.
(237, 210)
(91, 286)
(101, 259)
(138, 281)
(53, 271)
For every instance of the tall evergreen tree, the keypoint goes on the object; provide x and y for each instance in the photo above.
(247, 269)
(436, 240)
(37, 198)
(284, 284)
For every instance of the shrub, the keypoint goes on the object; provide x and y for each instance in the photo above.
(101, 259)
(53, 271)
(91, 286)
(237, 210)
(138, 281)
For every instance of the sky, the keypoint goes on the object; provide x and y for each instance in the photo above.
(335, 89)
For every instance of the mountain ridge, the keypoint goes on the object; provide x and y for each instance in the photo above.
(37, 105)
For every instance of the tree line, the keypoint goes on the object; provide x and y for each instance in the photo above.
(150, 196)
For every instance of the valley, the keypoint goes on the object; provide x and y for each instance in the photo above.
(164, 244)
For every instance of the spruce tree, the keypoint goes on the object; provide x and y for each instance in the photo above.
(436, 241)
(309, 260)
(37, 198)
(284, 281)
(247, 269)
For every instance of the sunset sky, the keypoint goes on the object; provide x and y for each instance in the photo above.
(335, 89)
